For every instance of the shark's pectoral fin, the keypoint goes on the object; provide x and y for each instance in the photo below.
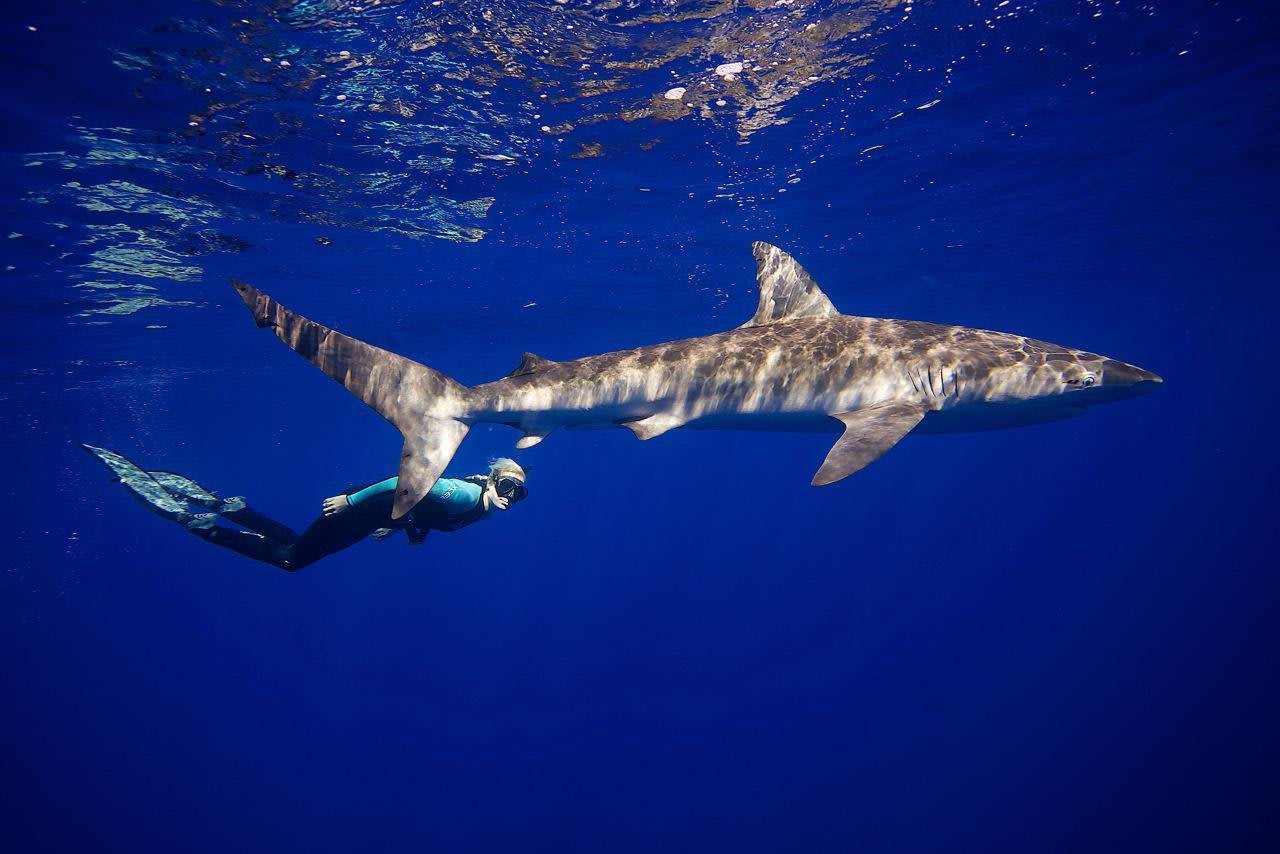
(868, 433)
(654, 425)
(426, 453)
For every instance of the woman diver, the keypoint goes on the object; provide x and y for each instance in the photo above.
(453, 503)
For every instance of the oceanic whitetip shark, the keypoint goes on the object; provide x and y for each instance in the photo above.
(798, 364)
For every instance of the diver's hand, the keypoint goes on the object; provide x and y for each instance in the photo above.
(336, 504)
(383, 533)
(494, 499)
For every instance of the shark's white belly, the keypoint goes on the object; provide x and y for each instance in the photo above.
(774, 405)
(811, 415)
(977, 417)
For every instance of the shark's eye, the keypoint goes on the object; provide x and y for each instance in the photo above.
(1089, 380)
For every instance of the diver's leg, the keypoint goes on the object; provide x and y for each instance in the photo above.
(323, 537)
(256, 546)
(236, 510)
(169, 495)
(330, 534)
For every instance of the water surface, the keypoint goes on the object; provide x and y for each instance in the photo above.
(1055, 638)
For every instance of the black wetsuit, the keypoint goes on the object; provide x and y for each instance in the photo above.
(277, 544)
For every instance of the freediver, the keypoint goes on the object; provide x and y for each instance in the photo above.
(346, 519)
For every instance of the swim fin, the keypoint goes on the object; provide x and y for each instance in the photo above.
(141, 485)
(184, 488)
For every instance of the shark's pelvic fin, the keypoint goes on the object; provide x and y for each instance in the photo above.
(787, 292)
(868, 433)
(654, 425)
(420, 401)
(533, 435)
(530, 363)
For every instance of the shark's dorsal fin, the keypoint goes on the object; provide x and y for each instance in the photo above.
(530, 364)
(787, 292)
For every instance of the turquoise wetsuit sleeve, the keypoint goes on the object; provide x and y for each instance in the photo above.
(380, 488)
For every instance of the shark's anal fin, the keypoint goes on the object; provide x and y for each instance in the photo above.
(654, 425)
(530, 363)
(787, 292)
(868, 433)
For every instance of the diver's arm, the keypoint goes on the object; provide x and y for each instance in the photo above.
(447, 491)
(339, 503)
(382, 487)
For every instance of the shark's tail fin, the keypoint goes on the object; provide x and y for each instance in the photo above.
(422, 403)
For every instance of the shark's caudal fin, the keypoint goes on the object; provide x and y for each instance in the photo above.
(422, 403)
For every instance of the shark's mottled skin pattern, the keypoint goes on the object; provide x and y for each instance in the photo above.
(801, 371)
(798, 364)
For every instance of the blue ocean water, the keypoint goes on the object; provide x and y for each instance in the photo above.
(1059, 638)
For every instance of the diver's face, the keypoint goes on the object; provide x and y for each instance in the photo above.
(509, 487)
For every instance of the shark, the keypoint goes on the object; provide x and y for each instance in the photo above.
(797, 365)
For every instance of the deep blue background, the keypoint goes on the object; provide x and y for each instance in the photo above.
(1058, 638)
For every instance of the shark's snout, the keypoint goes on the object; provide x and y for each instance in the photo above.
(1146, 385)
(1120, 381)
(1116, 374)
